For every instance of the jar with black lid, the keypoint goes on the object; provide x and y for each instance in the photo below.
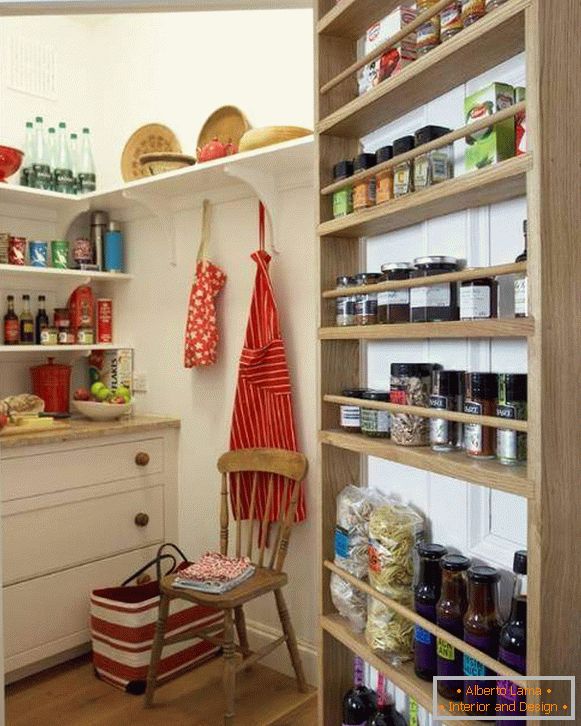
(366, 303)
(364, 191)
(403, 175)
(480, 400)
(511, 446)
(393, 306)
(373, 422)
(384, 179)
(350, 415)
(343, 198)
(434, 166)
(434, 303)
(410, 386)
(479, 299)
(345, 306)
(447, 395)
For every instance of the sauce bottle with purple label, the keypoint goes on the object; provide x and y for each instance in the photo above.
(481, 629)
(450, 612)
(426, 596)
(512, 650)
(358, 702)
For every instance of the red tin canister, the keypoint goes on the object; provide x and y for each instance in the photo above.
(104, 320)
(52, 383)
(17, 251)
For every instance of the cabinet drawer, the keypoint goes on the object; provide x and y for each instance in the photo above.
(50, 615)
(55, 538)
(30, 476)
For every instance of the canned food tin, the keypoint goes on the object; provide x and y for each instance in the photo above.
(17, 251)
(82, 252)
(85, 336)
(104, 320)
(38, 253)
(60, 253)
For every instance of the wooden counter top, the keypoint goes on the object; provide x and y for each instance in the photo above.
(82, 428)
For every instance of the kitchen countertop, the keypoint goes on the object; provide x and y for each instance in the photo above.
(82, 428)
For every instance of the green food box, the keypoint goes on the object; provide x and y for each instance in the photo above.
(495, 143)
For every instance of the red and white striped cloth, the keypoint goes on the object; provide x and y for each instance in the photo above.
(216, 567)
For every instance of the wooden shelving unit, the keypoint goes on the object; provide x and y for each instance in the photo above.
(548, 175)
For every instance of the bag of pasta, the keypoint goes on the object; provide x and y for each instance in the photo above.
(388, 633)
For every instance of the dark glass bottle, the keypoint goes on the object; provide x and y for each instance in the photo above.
(11, 324)
(426, 596)
(385, 713)
(358, 702)
(481, 629)
(41, 322)
(450, 612)
(26, 323)
(521, 297)
(512, 650)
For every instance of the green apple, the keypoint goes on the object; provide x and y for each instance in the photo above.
(96, 387)
(103, 394)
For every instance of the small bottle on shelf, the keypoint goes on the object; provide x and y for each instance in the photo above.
(358, 702)
(27, 170)
(426, 596)
(450, 611)
(63, 168)
(521, 297)
(51, 152)
(11, 324)
(385, 713)
(41, 163)
(87, 179)
(41, 322)
(74, 149)
(26, 322)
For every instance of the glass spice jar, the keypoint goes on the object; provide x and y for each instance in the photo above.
(435, 166)
(375, 423)
(428, 34)
(451, 20)
(350, 415)
(366, 303)
(511, 446)
(342, 198)
(447, 395)
(472, 10)
(364, 191)
(480, 400)
(393, 306)
(384, 179)
(345, 306)
(410, 386)
(434, 303)
(479, 299)
(403, 177)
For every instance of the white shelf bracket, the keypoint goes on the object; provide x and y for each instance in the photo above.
(163, 211)
(266, 188)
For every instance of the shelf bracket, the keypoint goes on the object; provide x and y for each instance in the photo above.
(163, 211)
(266, 188)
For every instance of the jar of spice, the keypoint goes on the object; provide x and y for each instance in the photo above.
(393, 306)
(384, 179)
(63, 325)
(472, 10)
(410, 386)
(373, 422)
(345, 306)
(350, 415)
(434, 303)
(428, 34)
(480, 400)
(436, 166)
(49, 336)
(447, 395)
(364, 191)
(343, 198)
(511, 446)
(403, 177)
(479, 299)
(451, 20)
(366, 304)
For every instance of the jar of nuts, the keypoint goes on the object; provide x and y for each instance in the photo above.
(410, 386)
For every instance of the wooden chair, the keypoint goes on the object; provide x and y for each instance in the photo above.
(269, 577)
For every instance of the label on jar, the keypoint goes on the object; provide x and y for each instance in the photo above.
(474, 302)
(401, 179)
(421, 171)
(440, 166)
(366, 305)
(521, 296)
(432, 296)
(373, 421)
(439, 428)
(473, 432)
(394, 297)
(350, 416)
(506, 445)
(345, 306)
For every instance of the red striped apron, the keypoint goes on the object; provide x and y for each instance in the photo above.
(263, 411)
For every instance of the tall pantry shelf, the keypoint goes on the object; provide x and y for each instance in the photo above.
(546, 30)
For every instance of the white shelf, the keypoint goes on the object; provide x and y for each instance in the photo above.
(14, 350)
(36, 274)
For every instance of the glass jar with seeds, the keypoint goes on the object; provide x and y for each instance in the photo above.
(410, 386)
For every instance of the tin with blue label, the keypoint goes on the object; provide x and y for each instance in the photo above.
(38, 253)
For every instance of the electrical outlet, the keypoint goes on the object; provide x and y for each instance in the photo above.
(140, 382)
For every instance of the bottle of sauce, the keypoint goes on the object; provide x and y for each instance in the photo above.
(521, 284)
(426, 596)
(385, 713)
(450, 611)
(26, 323)
(512, 650)
(481, 629)
(11, 324)
(41, 322)
(358, 702)
(480, 400)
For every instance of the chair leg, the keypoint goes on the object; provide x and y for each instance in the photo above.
(291, 640)
(229, 650)
(241, 630)
(156, 649)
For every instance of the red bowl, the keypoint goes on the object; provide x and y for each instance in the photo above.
(10, 161)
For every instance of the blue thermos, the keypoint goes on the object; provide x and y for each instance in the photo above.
(114, 258)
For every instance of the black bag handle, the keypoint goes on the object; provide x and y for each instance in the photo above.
(157, 563)
(161, 554)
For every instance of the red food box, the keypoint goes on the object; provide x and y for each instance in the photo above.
(104, 320)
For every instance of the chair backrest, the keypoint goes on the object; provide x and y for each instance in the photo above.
(241, 468)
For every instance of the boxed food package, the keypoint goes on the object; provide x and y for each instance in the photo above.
(494, 143)
(396, 58)
(114, 368)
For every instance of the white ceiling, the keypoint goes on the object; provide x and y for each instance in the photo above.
(61, 7)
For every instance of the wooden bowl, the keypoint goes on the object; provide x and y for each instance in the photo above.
(162, 163)
(257, 138)
(149, 139)
(226, 123)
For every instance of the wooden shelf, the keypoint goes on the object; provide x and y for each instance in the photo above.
(485, 44)
(15, 350)
(457, 465)
(35, 275)
(494, 184)
(352, 18)
(494, 328)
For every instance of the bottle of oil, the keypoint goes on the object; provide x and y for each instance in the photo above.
(521, 297)
(26, 323)
(11, 324)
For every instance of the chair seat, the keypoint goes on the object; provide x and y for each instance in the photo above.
(260, 583)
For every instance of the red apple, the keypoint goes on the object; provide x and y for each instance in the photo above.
(3, 421)
(81, 394)
(119, 400)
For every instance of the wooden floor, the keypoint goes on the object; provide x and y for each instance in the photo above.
(70, 695)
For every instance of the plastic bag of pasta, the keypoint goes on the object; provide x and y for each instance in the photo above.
(350, 602)
(388, 633)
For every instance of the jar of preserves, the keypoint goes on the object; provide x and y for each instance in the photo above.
(410, 386)
(366, 303)
(479, 299)
(426, 595)
(374, 423)
(345, 306)
(343, 198)
(428, 34)
(480, 400)
(384, 179)
(435, 166)
(364, 191)
(393, 306)
(511, 446)
(434, 303)
(450, 611)
(403, 175)
(447, 395)
(451, 20)
(49, 336)
(350, 415)
(472, 10)
(63, 325)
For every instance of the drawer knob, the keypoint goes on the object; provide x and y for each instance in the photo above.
(142, 458)
(141, 519)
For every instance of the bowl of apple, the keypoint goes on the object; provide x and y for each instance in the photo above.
(101, 403)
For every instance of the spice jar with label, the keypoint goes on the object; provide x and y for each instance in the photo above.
(479, 299)
(436, 166)
(434, 303)
(521, 301)
(364, 191)
(410, 386)
(343, 198)
(451, 20)
(472, 10)
(373, 422)
(447, 395)
(428, 34)
(62, 323)
(480, 400)
(393, 306)
(511, 446)
(384, 179)
(345, 306)
(366, 304)
(403, 175)
(350, 415)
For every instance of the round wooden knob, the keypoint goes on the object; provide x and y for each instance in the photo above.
(142, 458)
(141, 519)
